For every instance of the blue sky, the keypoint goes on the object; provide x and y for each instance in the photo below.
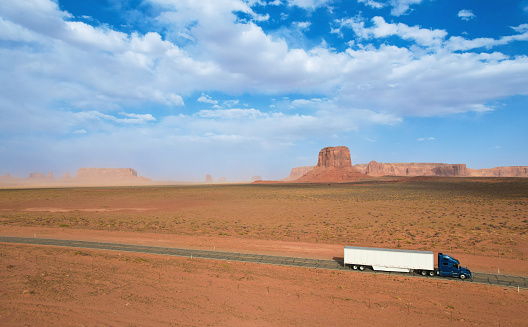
(178, 89)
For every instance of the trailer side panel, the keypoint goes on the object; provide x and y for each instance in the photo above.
(389, 259)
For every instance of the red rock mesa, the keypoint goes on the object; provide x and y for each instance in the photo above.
(334, 166)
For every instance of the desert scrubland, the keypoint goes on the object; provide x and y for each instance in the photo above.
(481, 221)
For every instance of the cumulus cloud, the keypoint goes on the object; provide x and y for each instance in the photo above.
(466, 14)
(426, 139)
(63, 75)
(382, 29)
(204, 98)
(372, 3)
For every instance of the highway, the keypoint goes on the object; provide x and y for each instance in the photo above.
(481, 278)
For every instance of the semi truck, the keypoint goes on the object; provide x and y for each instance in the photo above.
(421, 262)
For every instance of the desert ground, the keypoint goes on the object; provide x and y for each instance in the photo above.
(483, 222)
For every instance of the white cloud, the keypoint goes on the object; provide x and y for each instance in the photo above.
(232, 113)
(372, 3)
(523, 28)
(308, 4)
(302, 25)
(402, 7)
(399, 7)
(131, 118)
(382, 29)
(466, 14)
(85, 67)
(135, 118)
(230, 103)
(204, 98)
(426, 139)
(457, 43)
(80, 131)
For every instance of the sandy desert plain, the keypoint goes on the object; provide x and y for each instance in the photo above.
(481, 221)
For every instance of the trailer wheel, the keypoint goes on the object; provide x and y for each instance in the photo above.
(423, 272)
(462, 276)
(431, 273)
(355, 267)
(361, 268)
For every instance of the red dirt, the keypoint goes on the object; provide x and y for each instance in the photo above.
(481, 225)
(52, 286)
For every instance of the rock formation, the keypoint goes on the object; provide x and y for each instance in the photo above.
(374, 168)
(333, 165)
(8, 177)
(108, 175)
(222, 180)
(338, 156)
(256, 178)
(37, 176)
(208, 178)
(297, 173)
(511, 171)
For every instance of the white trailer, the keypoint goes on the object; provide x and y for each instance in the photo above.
(389, 259)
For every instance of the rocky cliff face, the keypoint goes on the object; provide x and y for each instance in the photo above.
(338, 156)
(374, 168)
(333, 165)
(297, 173)
(512, 171)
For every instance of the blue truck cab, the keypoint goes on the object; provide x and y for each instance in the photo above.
(450, 267)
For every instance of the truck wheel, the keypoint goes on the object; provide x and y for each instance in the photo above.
(361, 268)
(423, 272)
(462, 276)
(431, 273)
(355, 267)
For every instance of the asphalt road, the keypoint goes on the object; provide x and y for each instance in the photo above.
(481, 278)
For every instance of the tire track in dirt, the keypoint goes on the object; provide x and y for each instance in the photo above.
(481, 278)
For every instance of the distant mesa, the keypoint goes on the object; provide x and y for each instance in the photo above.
(333, 165)
(374, 168)
(8, 177)
(85, 176)
(297, 173)
(256, 178)
(222, 180)
(108, 175)
(208, 178)
(40, 176)
(511, 171)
